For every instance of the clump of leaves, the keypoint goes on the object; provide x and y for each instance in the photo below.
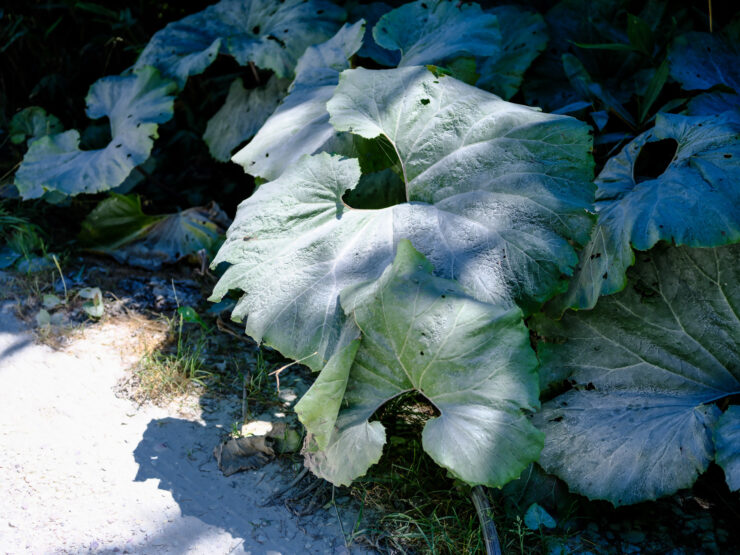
(118, 227)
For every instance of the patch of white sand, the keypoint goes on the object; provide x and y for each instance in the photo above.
(82, 471)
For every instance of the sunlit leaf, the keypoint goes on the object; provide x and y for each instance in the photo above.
(134, 104)
(497, 193)
(242, 115)
(471, 360)
(300, 125)
(272, 35)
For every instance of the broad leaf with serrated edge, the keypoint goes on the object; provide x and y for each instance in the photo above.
(510, 186)
(272, 35)
(703, 60)
(241, 116)
(435, 31)
(645, 364)
(727, 441)
(300, 125)
(694, 202)
(471, 360)
(135, 104)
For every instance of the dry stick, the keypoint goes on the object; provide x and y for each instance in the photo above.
(483, 508)
(276, 373)
(286, 488)
(313, 502)
(254, 72)
(222, 326)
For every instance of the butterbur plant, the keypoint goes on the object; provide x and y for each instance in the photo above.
(490, 223)
(414, 231)
(492, 194)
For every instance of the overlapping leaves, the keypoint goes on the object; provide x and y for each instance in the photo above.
(523, 37)
(272, 35)
(704, 61)
(300, 125)
(695, 201)
(645, 364)
(471, 360)
(135, 104)
(438, 31)
(242, 115)
(497, 191)
(118, 227)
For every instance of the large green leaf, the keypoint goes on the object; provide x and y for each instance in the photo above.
(644, 365)
(695, 201)
(300, 125)
(711, 103)
(436, 31)
(510, 186)
(727, 440)
(272, 35)
(471, 360)
(241, 116)
(453, 138)
(524, 36)
(704, 60)
(319, 407)
(135, 104)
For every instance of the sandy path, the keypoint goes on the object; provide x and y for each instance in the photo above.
(82, 471)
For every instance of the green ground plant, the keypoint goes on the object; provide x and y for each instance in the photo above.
(537, 237)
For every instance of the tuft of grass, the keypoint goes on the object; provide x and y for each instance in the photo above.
(420, 508)
(165, 374)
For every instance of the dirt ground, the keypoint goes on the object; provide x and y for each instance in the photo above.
(84, 471)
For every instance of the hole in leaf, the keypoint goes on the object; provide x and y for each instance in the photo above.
(406, 414)
(654, 159)
(376, 191)
(425, 101)
(96, 135)
(256, 29)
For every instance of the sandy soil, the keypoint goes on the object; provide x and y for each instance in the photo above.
(83, 471)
